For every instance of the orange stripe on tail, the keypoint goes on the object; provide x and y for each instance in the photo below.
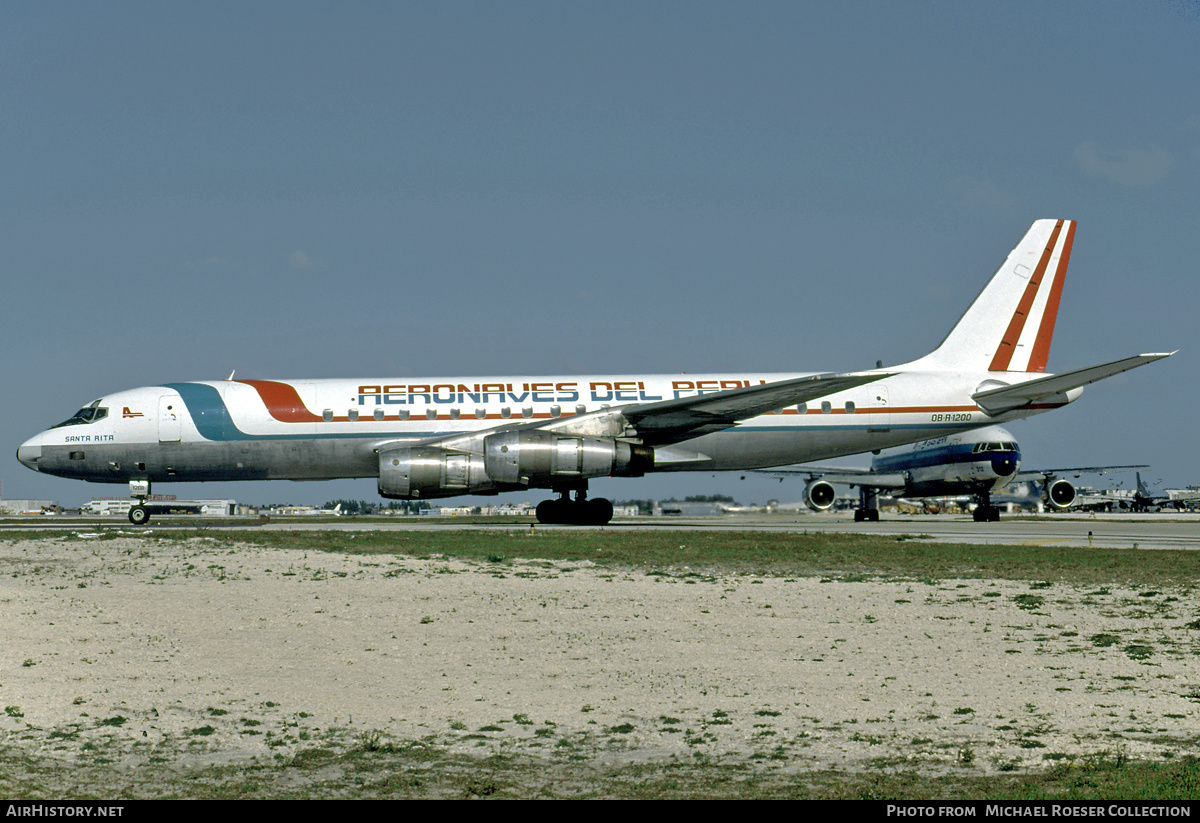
(1008, 343)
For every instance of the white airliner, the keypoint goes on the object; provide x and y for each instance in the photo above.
(967, 464)
(442, 437)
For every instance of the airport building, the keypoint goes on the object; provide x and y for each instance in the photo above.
(26, 506)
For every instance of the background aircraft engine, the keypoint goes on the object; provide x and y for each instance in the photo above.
(532, 457)
(819, 495)
(422, 472)
(1060, 494)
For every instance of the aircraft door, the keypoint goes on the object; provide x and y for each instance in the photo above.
(170, 412)
(880, 424)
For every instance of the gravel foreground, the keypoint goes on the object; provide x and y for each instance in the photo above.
(134, 667)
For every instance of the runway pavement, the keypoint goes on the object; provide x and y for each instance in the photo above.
(1141, 531)
(1149, 531)
(1083, 530)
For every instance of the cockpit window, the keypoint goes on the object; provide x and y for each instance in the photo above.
(88, 414)
(995, 447)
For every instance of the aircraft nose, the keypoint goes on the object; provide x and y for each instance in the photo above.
(30, 452)
(1004, 466)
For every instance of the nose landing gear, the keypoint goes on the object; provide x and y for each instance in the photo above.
(139, 514)
(985, 512)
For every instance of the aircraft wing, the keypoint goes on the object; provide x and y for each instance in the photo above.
(664, 422)
(842, 475)
(1043, 474)
(670, 421)
(1007, 398)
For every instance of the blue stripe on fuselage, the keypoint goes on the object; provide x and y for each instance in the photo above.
(208, 411)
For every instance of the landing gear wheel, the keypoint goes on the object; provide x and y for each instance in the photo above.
(600, 511)
(139, 515)
(548, 511)
(986, 514)
(565, 512)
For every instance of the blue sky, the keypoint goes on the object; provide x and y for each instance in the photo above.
(304, 189)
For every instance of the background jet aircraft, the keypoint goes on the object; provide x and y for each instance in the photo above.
(972, 464)
(444, 437)
(1140, 499)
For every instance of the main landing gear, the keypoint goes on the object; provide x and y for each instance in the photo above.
(578, 512)
(868, 506)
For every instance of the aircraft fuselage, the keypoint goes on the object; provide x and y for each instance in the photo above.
(325, 429)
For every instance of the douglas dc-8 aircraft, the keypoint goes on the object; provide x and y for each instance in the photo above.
(970, 464)
(427, 438)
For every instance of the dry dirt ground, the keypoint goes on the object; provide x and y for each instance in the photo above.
(125, 657)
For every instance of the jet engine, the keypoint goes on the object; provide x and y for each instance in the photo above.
(421, 472)
(1060, 494)
(532, 457)
(819, 495)
(511, 460)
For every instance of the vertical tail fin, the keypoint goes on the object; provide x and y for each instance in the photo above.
(1011, 322)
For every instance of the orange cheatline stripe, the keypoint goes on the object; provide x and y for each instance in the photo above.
(1008, 343)
(1041, 346)
(282, 401)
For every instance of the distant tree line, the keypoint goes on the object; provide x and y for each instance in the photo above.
(703, 498)
(379, 507)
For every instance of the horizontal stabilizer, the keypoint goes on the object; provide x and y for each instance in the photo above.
(1007, 398)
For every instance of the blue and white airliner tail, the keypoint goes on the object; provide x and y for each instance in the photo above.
(441, 437)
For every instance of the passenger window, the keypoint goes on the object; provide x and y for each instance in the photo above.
(378, 414)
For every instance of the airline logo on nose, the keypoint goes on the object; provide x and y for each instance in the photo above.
(127, 413)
